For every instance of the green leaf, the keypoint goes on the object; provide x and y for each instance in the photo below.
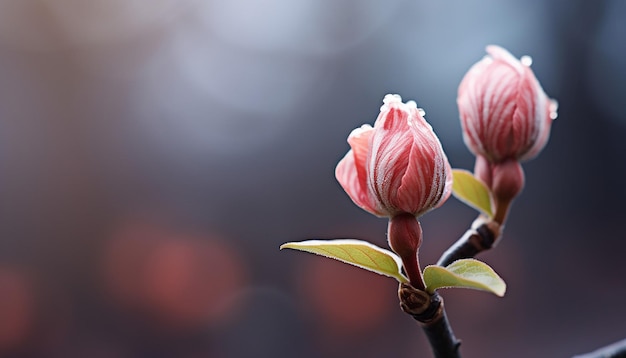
(471, 191)
(464, 273)
(354, 252)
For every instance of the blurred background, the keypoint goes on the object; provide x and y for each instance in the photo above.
(155, 154)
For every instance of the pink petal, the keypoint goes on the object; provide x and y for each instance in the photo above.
(359, 140)
(427, 182)
(389, 153)
(350, 171)
(500, 54)
(544, 111)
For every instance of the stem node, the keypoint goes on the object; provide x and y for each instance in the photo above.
(430, 312)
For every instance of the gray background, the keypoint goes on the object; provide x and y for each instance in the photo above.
(155, 154)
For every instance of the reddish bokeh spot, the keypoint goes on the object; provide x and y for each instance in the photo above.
(178, 279)
(345, 298)
(191, 281)
(124, 258)
(16, 308)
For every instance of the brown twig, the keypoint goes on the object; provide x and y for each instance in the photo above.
(615, 350)
(482, 236)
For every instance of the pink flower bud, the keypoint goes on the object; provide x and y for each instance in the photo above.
(505, 113)
(397, 166)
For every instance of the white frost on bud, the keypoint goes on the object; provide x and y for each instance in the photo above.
(554, 106)
(389, 99)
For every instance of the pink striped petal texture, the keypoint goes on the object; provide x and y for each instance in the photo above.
(398, 166)
(505, 114)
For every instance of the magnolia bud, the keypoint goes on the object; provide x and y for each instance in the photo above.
(398, 166)
(504, 112)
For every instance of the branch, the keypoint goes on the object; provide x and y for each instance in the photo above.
(615, 350)
(482, 236)
(430, 312)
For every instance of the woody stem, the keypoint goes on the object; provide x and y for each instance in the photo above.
(430, 312)
(482, 236)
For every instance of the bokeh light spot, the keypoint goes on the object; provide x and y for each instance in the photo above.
(16, 308)
(346, 299)
(178, 279)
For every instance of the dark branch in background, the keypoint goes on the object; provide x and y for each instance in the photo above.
(615, 350)
(481, 237)
(430, 312)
